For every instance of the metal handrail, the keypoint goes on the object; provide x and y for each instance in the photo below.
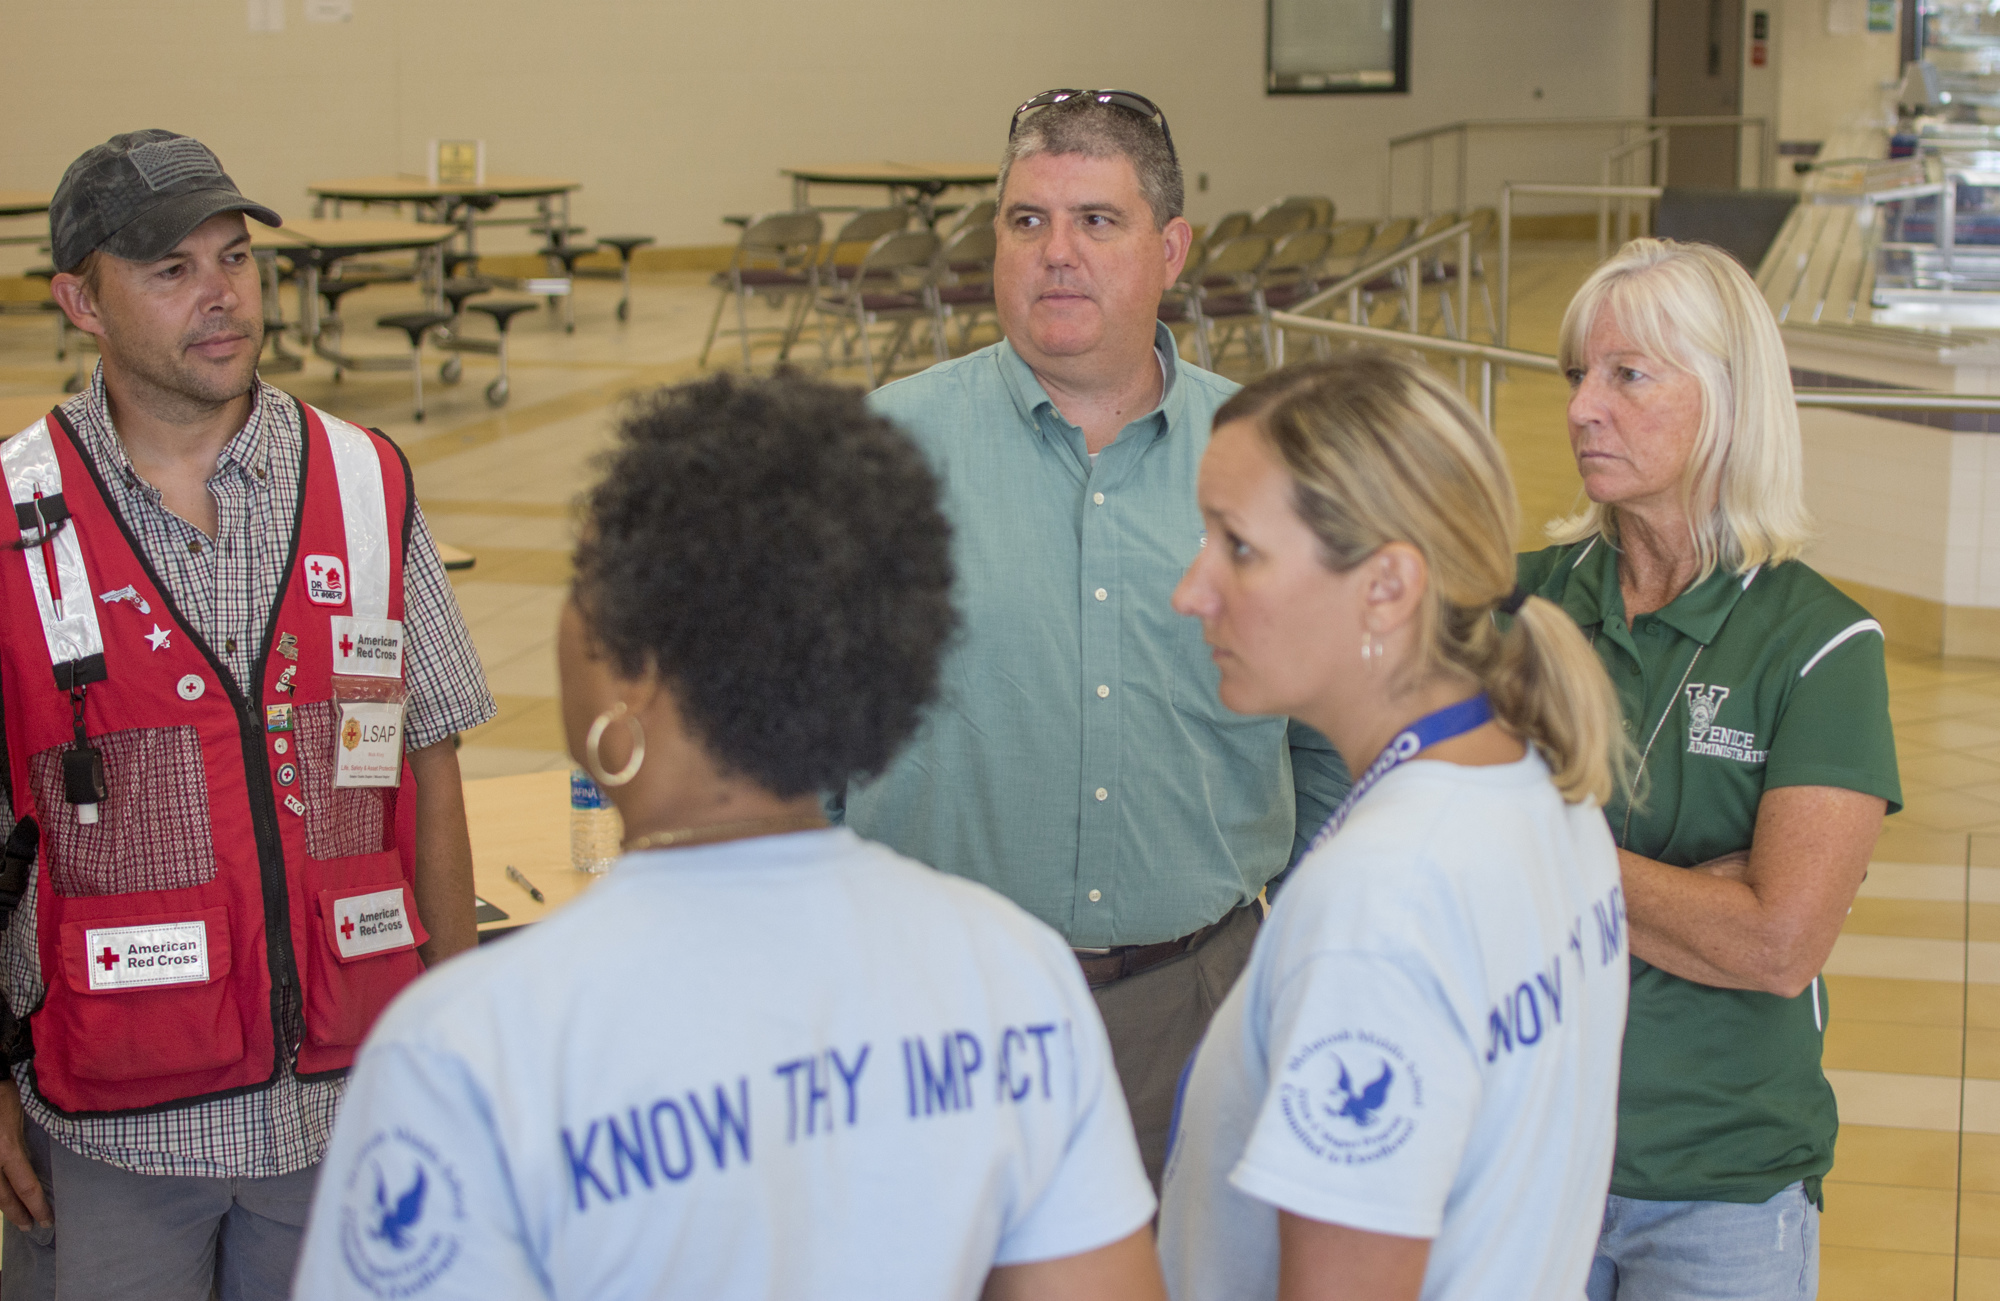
(1486, 354)
(1352, 283)
(1894, 399)
(1507, 193)
(1490, 355)
(1766, 144)
(1656, 174)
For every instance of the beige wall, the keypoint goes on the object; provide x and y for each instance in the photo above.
(673, 113)
(1829, 85)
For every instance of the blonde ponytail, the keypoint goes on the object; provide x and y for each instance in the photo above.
(1381, 450)
(1547, 685)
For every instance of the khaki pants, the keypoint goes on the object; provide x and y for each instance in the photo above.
(1156, 1020)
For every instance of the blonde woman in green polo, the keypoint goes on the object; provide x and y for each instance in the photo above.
(1755, 699)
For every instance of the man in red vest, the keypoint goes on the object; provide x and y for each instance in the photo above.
(231, 670)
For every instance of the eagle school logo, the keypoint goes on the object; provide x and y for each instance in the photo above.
(1706, 736)
(401, 1215)
(1351, 1098)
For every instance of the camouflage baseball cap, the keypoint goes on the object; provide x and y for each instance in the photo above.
(137, 195)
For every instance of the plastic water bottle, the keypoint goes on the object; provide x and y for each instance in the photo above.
(595, 829)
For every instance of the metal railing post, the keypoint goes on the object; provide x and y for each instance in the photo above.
(1486, 392)
(1465, 285)
(1413, 291)
(1430, 170)
(1506, 257)
(1947, 226)
(1464, 145)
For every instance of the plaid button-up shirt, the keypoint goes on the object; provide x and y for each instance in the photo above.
(226, 586)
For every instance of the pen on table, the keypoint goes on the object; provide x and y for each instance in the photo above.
(514, 875)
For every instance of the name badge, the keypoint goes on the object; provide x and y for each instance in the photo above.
(371, 923)
(133, 957)
(369, 648)
(368, 745)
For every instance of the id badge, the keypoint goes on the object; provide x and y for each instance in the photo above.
(368, 743)
(369, 696)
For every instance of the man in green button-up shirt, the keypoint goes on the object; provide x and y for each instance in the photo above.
(1079, 760)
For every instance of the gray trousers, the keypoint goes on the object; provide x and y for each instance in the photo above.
(163, 1237)
(1156, 1020)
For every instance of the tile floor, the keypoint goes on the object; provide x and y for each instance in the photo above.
(1913, 1045)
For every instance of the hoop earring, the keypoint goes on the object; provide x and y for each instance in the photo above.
(595, 737)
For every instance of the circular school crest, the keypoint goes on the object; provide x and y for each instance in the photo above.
(400, 1215)
(1352, 1097)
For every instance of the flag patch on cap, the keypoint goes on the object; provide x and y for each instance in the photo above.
(168, 162)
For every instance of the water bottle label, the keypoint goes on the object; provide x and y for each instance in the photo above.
(584, 793)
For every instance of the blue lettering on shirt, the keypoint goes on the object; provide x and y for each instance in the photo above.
(945, 1081)
(630, 1152)
(1521, 1017)
(827, 1067)
(1610, 915)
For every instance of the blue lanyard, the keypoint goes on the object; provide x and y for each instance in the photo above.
(1452, 720)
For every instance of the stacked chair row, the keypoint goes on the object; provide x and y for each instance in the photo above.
(880, 268)
(1249, 266)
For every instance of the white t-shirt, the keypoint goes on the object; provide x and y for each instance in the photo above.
(793, 1066)
(1425, 1043)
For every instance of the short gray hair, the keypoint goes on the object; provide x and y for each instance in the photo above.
(1083, 126)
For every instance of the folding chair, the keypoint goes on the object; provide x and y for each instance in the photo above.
(977, 214)
(1351, 239)
(1431, 269)
(892, 283)
(775, 259)
(838, 255)
(1390, 235)
(1320, 206)
(1485, 221)
(1289, 276)
(1227, 227)
(964, 278)
(863, 228)
(1276, 220)
(1223, 292)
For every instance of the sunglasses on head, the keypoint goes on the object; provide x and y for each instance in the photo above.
(1125, 99)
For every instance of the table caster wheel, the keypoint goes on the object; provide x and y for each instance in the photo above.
(623, 310)
(496, 393)
(74, 384)
(452, 371)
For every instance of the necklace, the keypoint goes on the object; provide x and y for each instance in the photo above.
(686, 836)
(1625, 831)
(1439, 725)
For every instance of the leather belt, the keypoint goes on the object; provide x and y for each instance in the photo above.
(1113, 965)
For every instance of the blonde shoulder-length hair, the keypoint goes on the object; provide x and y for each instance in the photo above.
(1693, 307)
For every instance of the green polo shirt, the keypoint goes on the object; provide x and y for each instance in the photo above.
(1078, 759)
(1766, 680)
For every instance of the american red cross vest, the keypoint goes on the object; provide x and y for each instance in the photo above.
(223, 867)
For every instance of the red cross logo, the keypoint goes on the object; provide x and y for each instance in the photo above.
(317, 568)
(347, 928)
(346, 645)
(108, 958)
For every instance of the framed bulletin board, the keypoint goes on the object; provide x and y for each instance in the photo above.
(1337, 47)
